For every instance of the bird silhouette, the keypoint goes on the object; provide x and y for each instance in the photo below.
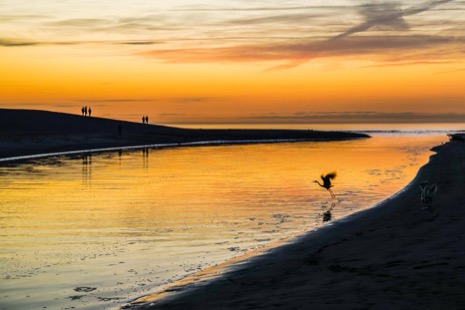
(327, 182)
(427, 193)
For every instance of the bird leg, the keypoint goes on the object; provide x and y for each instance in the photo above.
(332, 194)
(333, 204)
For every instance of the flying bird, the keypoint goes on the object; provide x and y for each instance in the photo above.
(327, 182)
(427, 193)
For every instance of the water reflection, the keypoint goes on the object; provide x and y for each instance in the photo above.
(150, 220)
(327, 214)
(120, 154)
(145, 157)
(86, 168)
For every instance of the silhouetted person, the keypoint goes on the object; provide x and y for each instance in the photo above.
(146, 119)
(143, 119)
(85, 110)
(90, 111)
(82, 111)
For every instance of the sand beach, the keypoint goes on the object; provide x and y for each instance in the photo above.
(397, 255)
(27, 132)
(222, 155)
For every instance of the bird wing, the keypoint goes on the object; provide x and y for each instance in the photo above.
(423, 185)
(432, 190)
(331, 175)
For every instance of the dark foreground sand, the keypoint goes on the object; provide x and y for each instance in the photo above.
(27, 132)
(394, 256)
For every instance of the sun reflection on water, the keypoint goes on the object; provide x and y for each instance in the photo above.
(125, 222)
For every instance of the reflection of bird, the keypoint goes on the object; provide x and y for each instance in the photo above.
(327, 182)
(427, 193)
(327, 216)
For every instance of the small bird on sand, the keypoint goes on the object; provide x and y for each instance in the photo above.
(427, 193)
(327, 182)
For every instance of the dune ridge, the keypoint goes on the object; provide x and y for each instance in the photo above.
(27, 132)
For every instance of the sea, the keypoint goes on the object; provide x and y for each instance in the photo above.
(97, 230)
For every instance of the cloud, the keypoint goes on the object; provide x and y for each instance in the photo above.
(19, 43)
(78, 22)
(357, 117)
(377, 15)
(139, 42)
(388, 14)
(302, 51)
(170, 114)
(275, 19)
(15, 43)
(254, 31)
(255, 9)
(178, 100)
(116, 100)
(196, 99)
(12, 18)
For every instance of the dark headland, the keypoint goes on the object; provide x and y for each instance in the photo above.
(28, 132)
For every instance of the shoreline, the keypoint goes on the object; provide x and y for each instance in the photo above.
(34, 132)
(156, 145)
(393, 255)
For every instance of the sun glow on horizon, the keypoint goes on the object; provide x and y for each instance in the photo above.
(235, 61)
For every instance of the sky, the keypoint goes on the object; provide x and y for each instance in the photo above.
(236, 61)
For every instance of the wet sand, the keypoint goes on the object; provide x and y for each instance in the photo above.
(27, 132)
(396, 255)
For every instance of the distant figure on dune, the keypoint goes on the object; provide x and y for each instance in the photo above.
(85, 110)
(90, 111)
(146, 119)
(327, 182)
(82, 111)
(427, 193)
(143, 119)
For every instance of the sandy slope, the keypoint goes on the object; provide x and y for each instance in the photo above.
(394, 256)
(25, 132)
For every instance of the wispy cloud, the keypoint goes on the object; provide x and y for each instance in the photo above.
(15, 43)
(274, 19)
(377, 16)
(302, 51)
(387, 14)
(186, 100)
(356, 117)
(116, 100)
(19, 43)
(162, 115)
(254, 8)
(179, 100)
(254, 31)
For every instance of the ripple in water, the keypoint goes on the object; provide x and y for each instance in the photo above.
(94, 231)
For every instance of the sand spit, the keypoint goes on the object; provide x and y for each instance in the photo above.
(28, 132)
(398, 255)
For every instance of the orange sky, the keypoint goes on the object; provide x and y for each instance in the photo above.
(236, 61)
